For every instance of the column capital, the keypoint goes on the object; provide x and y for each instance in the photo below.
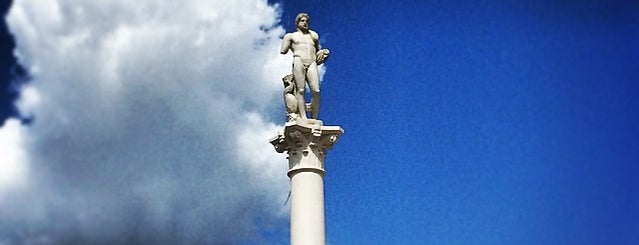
(297, 134)
(306, 144)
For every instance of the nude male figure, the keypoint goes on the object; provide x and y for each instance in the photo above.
(307, 55)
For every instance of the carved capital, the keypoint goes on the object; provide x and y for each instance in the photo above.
(297, 135)
(306, 144)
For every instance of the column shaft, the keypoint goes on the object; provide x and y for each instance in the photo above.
(307, 209)
(306, 146)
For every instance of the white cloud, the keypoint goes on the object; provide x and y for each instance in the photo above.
(13, 161)
(151, 122)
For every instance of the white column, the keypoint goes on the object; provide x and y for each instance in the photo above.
(307, 209)
(306, 146)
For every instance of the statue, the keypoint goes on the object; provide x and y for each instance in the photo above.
(305, 140)
(290, 101)
(307, 55)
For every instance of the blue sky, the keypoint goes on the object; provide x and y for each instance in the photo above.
(476, 122)
(481, 122)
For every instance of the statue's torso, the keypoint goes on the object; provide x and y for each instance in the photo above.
(304, 46)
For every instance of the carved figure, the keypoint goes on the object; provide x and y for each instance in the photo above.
(290, 101)
(307, 55)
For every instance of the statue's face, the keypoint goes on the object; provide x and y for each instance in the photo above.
(303, 23)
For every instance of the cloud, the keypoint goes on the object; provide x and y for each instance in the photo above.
(13, 166)
(152, 121)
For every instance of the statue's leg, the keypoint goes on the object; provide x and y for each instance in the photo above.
(300, 76)
(313, 84)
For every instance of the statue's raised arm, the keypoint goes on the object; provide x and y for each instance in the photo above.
(307, 55)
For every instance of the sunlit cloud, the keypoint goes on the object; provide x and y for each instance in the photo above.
(151, 123)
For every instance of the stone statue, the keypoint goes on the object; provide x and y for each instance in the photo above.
(306, 140)
(290, 101)
(307, 55)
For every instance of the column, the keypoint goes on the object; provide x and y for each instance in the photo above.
(306, 146)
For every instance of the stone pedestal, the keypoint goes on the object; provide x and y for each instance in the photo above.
(307, 144)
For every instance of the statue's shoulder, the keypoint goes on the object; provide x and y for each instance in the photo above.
(293, 35)
(314, 34)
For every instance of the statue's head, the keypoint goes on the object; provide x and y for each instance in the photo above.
(301, 21)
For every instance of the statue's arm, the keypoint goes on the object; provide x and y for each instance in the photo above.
(322, 54)
(286, 44)
(316, 40)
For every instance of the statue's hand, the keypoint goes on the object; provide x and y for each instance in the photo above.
(322, 56)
